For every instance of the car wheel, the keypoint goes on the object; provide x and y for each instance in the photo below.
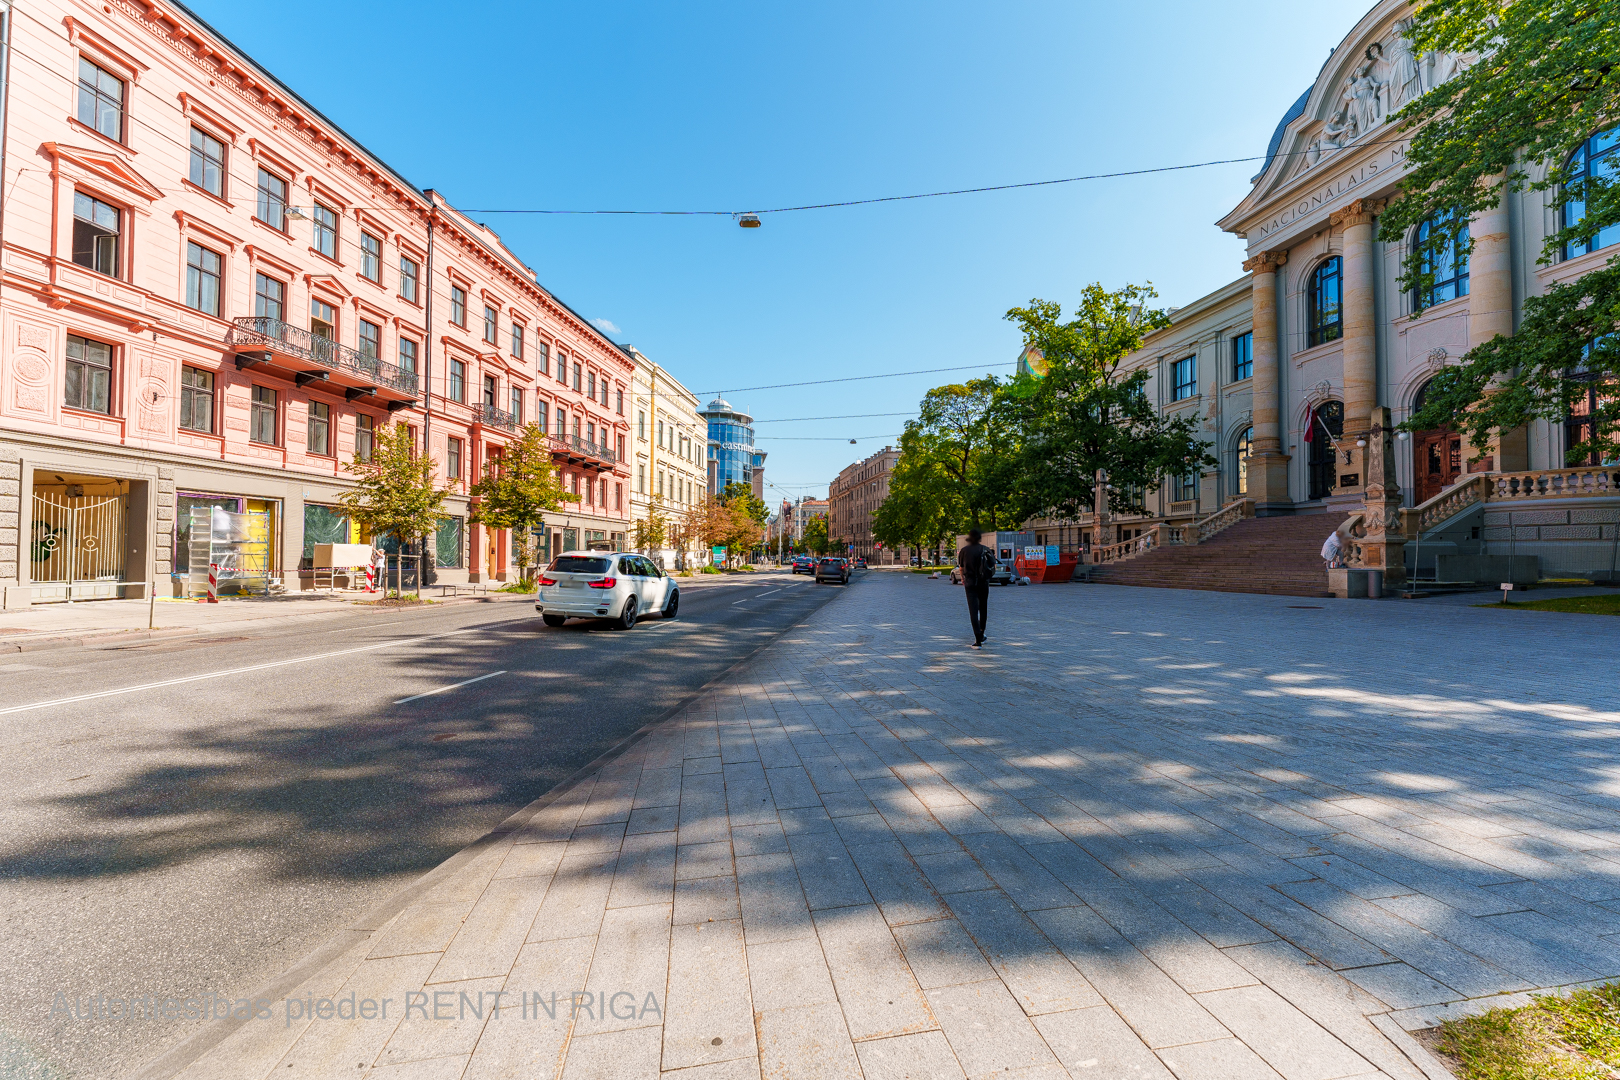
(628, 618)
(554, 620)
(674, 605)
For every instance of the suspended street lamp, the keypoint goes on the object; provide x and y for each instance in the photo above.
(747, 221)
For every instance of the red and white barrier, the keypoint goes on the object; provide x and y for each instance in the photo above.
(213, 583)
(371, 578)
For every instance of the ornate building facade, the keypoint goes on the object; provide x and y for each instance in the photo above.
(668, 472)
(852, 498)
(213, 297)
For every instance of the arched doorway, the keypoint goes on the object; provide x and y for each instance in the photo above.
(1325, 429)
(1436, 457)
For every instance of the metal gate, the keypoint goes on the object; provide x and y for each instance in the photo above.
(76, 546)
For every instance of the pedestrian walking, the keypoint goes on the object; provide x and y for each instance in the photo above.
(977, 564)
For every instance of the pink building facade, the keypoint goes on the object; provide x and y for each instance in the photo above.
(211, 296)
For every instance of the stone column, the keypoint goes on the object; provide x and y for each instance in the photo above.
(1384, 544)
(1268, 464)
(1102, 527)
(1490, 309)
(1360, 335)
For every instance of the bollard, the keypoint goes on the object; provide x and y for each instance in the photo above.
(213, 583)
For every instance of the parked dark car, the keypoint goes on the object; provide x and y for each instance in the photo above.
(804, 564)
(832, 570)
(860, 563)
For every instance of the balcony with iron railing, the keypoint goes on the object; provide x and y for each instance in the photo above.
(296, 345)
(490, 416)
(583, 451)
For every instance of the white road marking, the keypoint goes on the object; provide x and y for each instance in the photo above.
(756, 596)
(232, 671)
(452, 686)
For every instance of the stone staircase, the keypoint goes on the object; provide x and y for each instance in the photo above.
(1276, 555)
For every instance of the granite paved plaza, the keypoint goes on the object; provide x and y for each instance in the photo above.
(1144, 834)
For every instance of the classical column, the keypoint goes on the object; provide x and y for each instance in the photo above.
(1268, 464)
(1490, 307)
(1360, 335)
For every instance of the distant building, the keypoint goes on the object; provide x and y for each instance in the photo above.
(667, 441)
(857, 493)
(731, 449)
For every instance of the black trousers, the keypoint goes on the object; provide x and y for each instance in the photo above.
(978, 598)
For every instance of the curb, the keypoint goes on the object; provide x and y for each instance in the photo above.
(21, 645)
(189, 1050)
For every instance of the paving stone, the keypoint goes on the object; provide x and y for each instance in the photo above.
(645, 873)
(530, 860)
(446, 1019)
(1097, 1045)
(894, 881)
(597, 839)
(1038, 975)
(1192, 962)
(987, 1031)
(1322, 938)
(1017, 872)
(941, 953)
(577, 898)
(420, 928)
(1288, 1040)
(703, 860)
(653, 819)
(789, 974)
(1400, 986)
(791, 787)
(488, 940)
(811, 1041)
(329, 1048)
(1598, 953)
(875, 986)
(632, 957)
(709, 1016)
(1507, 951)
(924, 1056)
(530, 1041)
(772, 899)
(953, 872)
(827, 872)
(1223, 1059)
(711, 899)
(614, 1055)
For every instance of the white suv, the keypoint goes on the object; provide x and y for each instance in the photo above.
(605, 585)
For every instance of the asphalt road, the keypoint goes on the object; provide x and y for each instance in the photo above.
(197, 815)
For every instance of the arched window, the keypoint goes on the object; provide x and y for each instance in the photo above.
(1450, 273)
(1597, 156)
(1325, 321)
(1325, 428)
(1240, 450)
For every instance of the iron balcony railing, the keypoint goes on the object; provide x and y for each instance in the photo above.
(490, 416)
(573, 444)
(295, 341)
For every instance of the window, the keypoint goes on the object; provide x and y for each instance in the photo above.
(620, 409)
(1449, 272)
(322, 319)
(489, 324)
(458, 381)
(1184, 378)
(517, 340)
(95, 234)
(458, 306)
(590, 383)
(407, 355)
(1245, 443)
(196, 399)
(325, 231)
(371, 256)
(489, 390)
(262, 420)
(540, 416)
(320, 428)
(1325, 320)
(272, 200)
(370, 340)
(447, 543)
(207, 162)
(562, 421)
(517, 404)
(660, 487)
(660, 435)
(364, 437)
(621, 448)
(576, 376)
(269, 296)
(542, 357)
(562, 368)
(641, 425)
(1243, 357)
(1598, 156)
(101, 100)
(452, 459)
(89, 375)
(1186, 488)
(618, 496)
(641, 478)
(407, 278)
(202, 279)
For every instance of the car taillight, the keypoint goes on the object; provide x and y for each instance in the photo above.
(605, 583)
(548, 581)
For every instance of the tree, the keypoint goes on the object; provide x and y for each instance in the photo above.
(815, 535)
(742, 494)
(917, 512)
(394, 491)
(517, 489)
(963, 441)
(652, 531)
(1539, 80)
(1085, 415)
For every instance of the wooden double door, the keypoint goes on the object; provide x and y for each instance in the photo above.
(1437, 462)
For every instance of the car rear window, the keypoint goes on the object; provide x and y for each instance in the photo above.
(579, 564)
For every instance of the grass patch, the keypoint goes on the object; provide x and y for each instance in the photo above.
(712, 570)
(1581, 605)
(931, 569)
(1554, 1038)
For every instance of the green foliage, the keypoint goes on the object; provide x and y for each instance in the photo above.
(394, 490)
(650, 532)
(921, 508)
(815, 535)
(517, 489)
(1553, 1038)
(740, 494)
(1540, 79)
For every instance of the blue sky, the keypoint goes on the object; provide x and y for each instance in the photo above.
(718, 106)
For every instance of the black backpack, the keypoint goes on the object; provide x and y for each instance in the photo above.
(986, 568)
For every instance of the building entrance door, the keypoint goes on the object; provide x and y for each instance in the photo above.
(76, 545)
(1437, 456)
(1326, 427)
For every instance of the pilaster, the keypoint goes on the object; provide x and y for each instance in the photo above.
(1268, 465)
(1359, 313)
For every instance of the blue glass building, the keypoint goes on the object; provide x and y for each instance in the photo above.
(731, 445)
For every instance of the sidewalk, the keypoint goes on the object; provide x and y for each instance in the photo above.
(1146, 834)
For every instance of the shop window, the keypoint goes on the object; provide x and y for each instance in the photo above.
(322, 525)
(269, 297)
(458, 382)
(1598, 156)
(447, 542)
(407, 355)
(320, 428)
(326, 226)
(489, 324)
(262, 417)
(1325, 318)
(88, 382)
(458, 306)
(452, 459)
(101, 100)
(371, 256)
(370, 340)
(272, 208)
(202, 279)
(207, 162)
(96, 228)
(1448, 270)
(1243, 357)
(407, 278)
(517, 340)
(365, 437)
(196, 399)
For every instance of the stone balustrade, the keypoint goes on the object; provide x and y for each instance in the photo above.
(1125, 549)
(1586, 482)
(1224, 518)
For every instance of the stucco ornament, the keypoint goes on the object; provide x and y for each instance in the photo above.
(1438, 358)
